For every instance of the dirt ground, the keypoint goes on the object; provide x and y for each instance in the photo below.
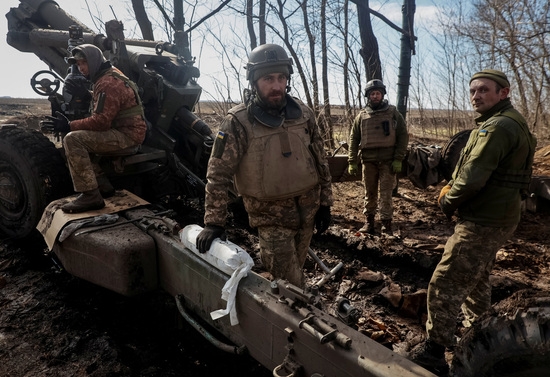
(52, 324)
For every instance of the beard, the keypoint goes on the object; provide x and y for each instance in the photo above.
(274, 100)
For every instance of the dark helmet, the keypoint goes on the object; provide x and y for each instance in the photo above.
(375, 84)
(266, 59)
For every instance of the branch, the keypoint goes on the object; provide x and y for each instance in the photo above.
(359, 3)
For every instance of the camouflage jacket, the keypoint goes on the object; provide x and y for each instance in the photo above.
(111, 96)
(229, 148)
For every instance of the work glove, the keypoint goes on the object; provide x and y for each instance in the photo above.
(322, 219)
(59, 124)
(396, 166)
(444, 191)
(208, 235)
(353, 169)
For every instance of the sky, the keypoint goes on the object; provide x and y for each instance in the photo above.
(17, 68)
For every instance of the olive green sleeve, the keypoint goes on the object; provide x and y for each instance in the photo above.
(401, 137)
(354, 139)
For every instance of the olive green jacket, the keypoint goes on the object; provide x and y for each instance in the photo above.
(493, 170)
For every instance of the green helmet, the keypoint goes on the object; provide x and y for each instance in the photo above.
(266, 59)
(375, 84)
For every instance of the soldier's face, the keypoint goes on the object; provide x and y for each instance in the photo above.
(82, 65)
(484, 94)
(272, 89)
(375, 97)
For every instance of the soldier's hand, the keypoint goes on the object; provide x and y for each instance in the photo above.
(58, 124)
(443, 192)
(208, 235)
(353, 169)
(396, 166)
(322, 219)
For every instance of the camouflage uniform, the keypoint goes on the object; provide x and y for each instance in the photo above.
(285, 225)
(116, 122)
(377, 159)
(493, 169)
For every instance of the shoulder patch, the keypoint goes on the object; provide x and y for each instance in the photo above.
(483, 133)
(219, 144)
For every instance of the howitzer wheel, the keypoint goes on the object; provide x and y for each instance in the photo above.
(32, 174)
(514, 340)
(450, 153)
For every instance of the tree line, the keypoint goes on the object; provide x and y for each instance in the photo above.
(335, 46)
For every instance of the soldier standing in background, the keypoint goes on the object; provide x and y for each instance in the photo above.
(271, 148)
(380, 137)
(486, 189)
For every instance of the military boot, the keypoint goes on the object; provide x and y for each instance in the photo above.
(105, 187)
(431, 356)
(369, 225)
(386, 227)
(86, 201)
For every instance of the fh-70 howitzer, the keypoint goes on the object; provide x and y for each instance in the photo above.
(132, 247)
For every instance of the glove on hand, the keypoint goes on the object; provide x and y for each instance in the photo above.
(322, 219)
(208, 235)
(396, 166)
(444, 191)
(59, 124)
(353, 169)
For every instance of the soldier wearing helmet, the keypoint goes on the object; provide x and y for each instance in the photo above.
(270, 148)
(379, 137)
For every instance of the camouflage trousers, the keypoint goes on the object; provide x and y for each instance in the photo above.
(375, 173)
(283, 251)
(78, 146)
(461, 279)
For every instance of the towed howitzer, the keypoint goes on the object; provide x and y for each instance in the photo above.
(142, 251)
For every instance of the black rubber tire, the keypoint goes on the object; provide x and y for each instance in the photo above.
(506, 342)
(32, 174)
(450, 153)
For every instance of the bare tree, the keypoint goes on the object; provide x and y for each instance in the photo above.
(143, 20)
(369, 44)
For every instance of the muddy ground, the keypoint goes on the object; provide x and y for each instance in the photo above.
(52, 324)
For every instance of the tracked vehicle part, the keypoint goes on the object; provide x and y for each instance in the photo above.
(451, 153)
(507, 343)
(32, 174)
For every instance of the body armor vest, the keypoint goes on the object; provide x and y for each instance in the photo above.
(378, 129)
(278, 163)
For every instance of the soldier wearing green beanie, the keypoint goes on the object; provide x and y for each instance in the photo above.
(488, 184)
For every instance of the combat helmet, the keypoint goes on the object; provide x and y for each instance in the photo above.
(265, 59)
(375, 84)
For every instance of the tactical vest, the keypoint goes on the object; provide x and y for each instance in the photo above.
(378, 129)
(278, 163)
(131, 111)
(516, 178)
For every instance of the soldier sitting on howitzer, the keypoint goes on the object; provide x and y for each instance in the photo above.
(116, 123)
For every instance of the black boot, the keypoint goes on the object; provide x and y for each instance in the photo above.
(431, 356)
(386, 227)
(369, 225)
(87, 201)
